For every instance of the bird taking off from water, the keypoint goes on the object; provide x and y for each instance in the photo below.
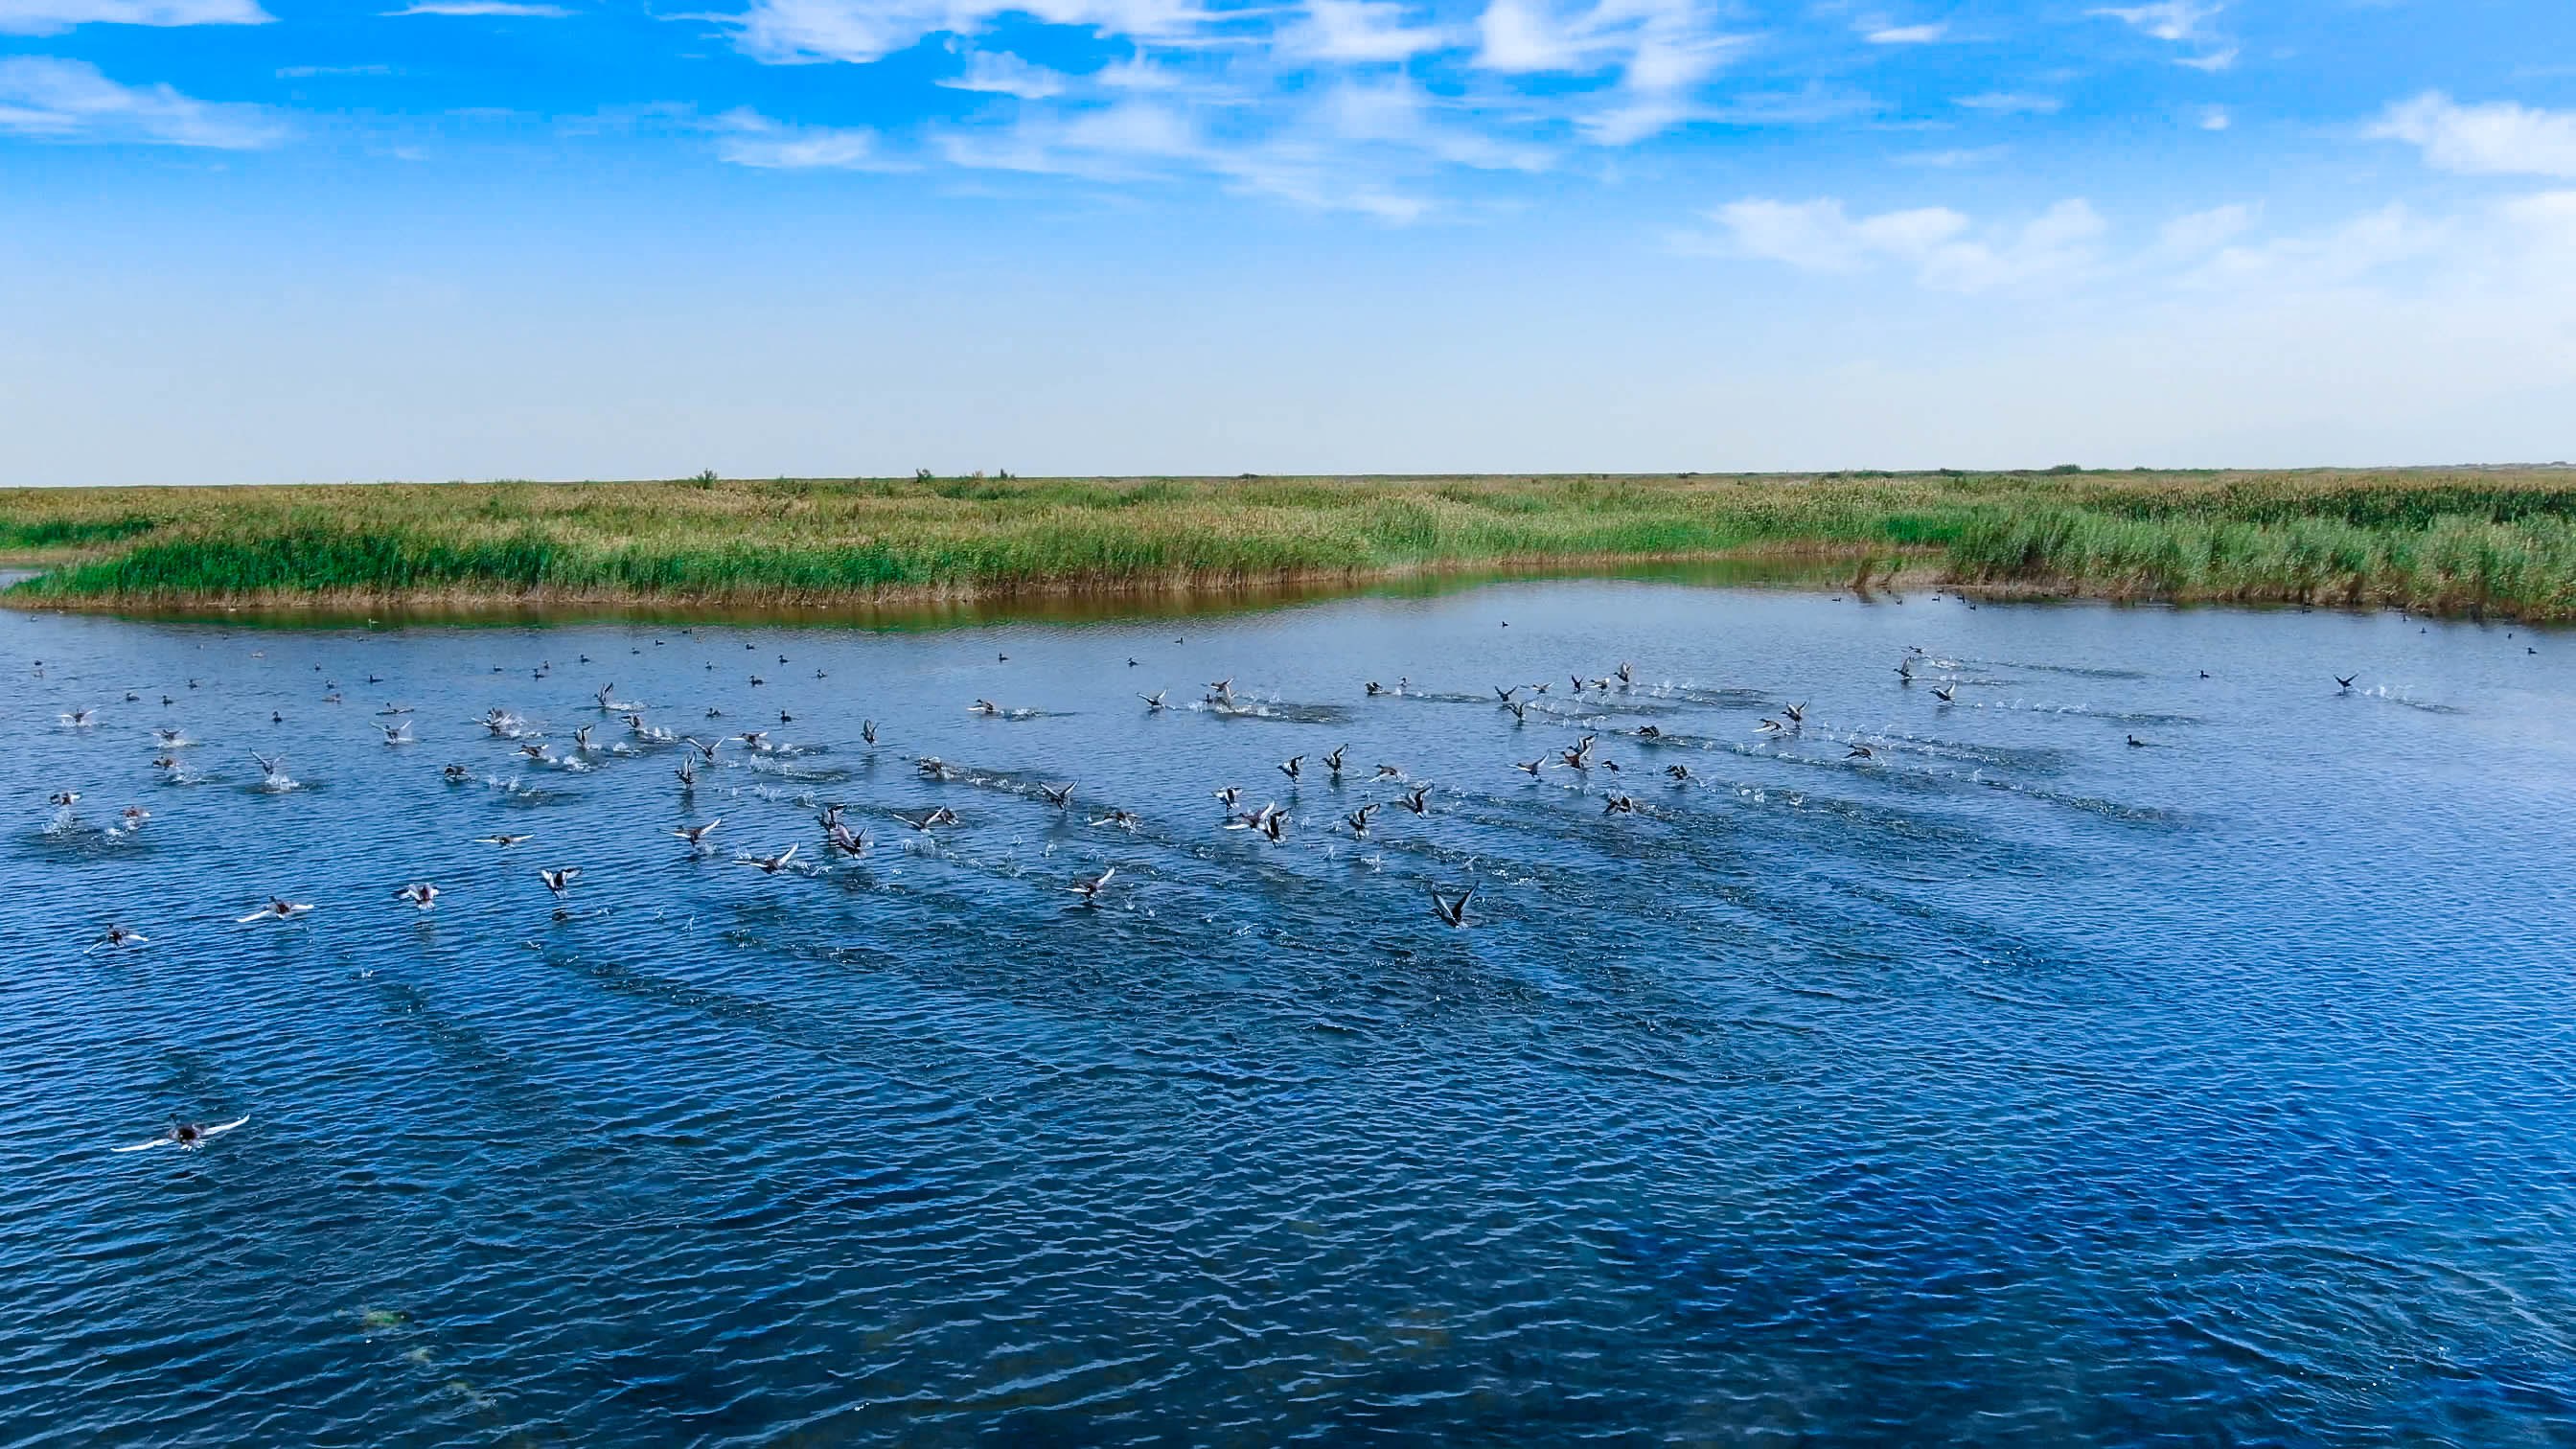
(1452, 910)
(186, 1136)
(770, 864)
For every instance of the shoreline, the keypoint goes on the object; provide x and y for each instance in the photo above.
(2475, 543)
(1820, 569)
(1790, 566)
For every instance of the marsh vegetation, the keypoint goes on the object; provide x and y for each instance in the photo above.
(2495, 540)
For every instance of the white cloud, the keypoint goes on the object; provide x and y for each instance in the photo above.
(52, 17)
(1520, 37)
(1908, 34)
(2013, 103)
(1337, 157)
(1130, 139)
(69, 100)
(1398, 113)
(747, 138)
(1821, 236)
(1937, 243)
(1360, 31)
(2175, 20)
(2548, 215)
(2497, 139)
(2215, 118)
(1810, 105)
(482, 7)
(1002, 73)
(2184, 22)
(859, 31)
(2203, 232)
(2338, 256)
(1317, 181)
(1661, 49)
(1954, 157)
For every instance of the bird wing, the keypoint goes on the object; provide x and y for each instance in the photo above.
(222, 1127)
(143, 1146)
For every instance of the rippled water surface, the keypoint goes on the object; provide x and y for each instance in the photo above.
(2009, 1082)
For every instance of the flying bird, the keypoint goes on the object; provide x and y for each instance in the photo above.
(1089, 889)
(770, 864)
(421, 894)
(186, 1136)
(1452, 910)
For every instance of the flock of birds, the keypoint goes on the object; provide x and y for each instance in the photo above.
(1269, 820)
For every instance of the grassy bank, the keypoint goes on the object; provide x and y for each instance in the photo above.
(2498, 540)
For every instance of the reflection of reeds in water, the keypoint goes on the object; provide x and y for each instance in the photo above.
(2456, 539)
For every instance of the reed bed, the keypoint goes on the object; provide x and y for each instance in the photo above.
(2456, 539)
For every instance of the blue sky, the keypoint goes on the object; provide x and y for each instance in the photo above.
(256, 240)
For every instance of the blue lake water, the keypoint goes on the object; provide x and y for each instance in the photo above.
(2010, 1083)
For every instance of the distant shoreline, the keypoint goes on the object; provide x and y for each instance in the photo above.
(2479, 541)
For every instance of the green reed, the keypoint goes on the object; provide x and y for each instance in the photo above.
(2455, 539)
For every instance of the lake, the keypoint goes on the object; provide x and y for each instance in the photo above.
(2007, 1082)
